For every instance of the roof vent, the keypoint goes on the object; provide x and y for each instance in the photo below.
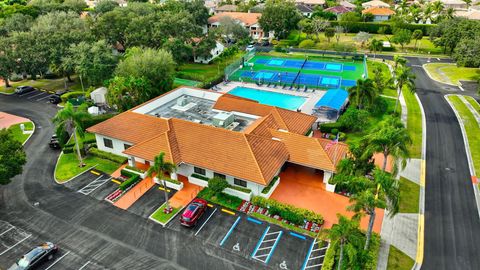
(223, 119)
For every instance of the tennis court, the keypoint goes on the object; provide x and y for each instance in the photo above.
(313, 72)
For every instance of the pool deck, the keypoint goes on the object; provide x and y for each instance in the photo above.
(306, 107)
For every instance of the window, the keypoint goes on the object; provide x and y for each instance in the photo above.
(254, 28)
(126, 146)
(219, 175)
(199, 170)
(108, 143)
(239, 182)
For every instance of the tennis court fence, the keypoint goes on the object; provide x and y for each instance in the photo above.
(230, 69)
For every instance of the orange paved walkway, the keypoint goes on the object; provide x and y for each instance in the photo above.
(117, 173)
(134, 193)
(182, 197)
(6, 120)
(304, 188)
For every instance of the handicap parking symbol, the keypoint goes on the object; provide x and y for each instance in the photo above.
(236, 247)
(283, 265)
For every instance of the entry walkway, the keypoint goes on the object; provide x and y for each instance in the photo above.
(186, 194)
(303, 187)
(134, 193)
(7, 120)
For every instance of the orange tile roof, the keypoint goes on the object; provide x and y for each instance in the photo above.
(120, 127)
(245, 17)
(378, 11)
(289, 120)
(310, 152)
(262, 126)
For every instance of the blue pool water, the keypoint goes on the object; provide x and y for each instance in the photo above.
(284, 101)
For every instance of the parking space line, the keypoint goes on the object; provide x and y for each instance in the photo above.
(209, 205)
(315, 265)
(41, 93)
(116, 181)
(266, 245)
(94, 172)
(309, 255)
(5, 251)
(254, 220)
(274, 247)
(92, 186)
(49, 95)
(260, 241)
(83, 266)
(229, 231)
(57, 260)
(298, 235)
(29, 93)
(201, 227)
(11, 228)
(228, 212)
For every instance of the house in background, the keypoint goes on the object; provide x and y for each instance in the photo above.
(214, 53)
(246, 19)
(305, 10)
(347, 5)
(380, 14)
(375, 3)
(312, 3)
(338, 10)
(454, 4)
(471, 14)
(225, 8)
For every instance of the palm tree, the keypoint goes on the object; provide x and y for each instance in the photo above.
(71, 119)
(404, 77)
(161, 167)
(391, 139)
(468, 2)
(449, 13)
(341, 234)
(383, 192)
(437, 7)
(375, 46)
(427, 13)
(363, 94)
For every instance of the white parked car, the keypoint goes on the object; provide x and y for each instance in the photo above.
(249, 48)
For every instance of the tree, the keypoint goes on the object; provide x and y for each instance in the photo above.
(391, 138)
(402, 37)
(363, 94)
(17, 22)
(354, 119)
(71, 119)
(379, 80)
(306, 44)
(346, 19)
(125, 93)
(231, 29)
(32, 56)
(468, 2)
(217, 184)
(104, 6)
(318, 25)
(382, 192)
(362, 37)
(375, 46)
(8, 61)
(338, 32)
(341, 233)
(404, 77)
(329, 33)
(318, 12)
(466, 53)
(76, 6)
(305, 26)
(12, 156)
(280, 16)
(156, 66)
(198, 11)
(181, 51)
(161, 167)
(417, 35)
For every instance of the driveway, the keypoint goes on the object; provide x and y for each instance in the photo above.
(304, 188)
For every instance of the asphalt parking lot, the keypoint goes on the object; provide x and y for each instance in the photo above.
(37, 96)
(264, 243)
(93, 183)
(150, 201)
(15, 242)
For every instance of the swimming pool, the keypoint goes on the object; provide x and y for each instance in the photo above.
(284, 101)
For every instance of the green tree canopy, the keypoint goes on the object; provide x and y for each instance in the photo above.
(12, 157)
(467, 52)
(280, 16)
(402, 37)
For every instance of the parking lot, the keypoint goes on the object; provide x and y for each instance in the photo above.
(150, 201)
(15, 242)
(93, 183)
(264, 243)
(37, 96)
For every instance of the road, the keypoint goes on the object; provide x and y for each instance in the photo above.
(452, 224)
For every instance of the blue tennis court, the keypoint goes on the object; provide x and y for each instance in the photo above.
(334, 67)
(276, 62)
(348, 83)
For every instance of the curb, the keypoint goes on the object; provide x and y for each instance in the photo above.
(168, 221)
(33, 131)
(68, 180)
(431, 78)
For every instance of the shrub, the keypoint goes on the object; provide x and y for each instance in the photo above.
(67, 150)
(222, 199)
(199, 176)
(280, 48)
(354, 119)
(329, 259)
(380, 106)
(72, 149)
(70, 95)
(342, 136)
(288, 212)
(135, 169)
(176, 182)
(129, 182)
(127, 173)
(334, 131)
(241, 189)
(105, 155)
(266, 189)
(327, 128)
(307, 43)
(217, 184)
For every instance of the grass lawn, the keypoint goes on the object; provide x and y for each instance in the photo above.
(44, 84)
(179, 82)
(397, 260)
(473, 102)
(17, 132)
(161, 217)
(471, 128)
(409, 196)
(284, 225)
(414, 123)
(450, 73)
(371, 65)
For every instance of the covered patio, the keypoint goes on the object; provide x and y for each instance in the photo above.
(303, 187)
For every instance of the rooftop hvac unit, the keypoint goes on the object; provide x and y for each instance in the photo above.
(182, 101)
(223, 119)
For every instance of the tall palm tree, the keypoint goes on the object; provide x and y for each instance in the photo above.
(375, 46)
(438, 8)
(427, 13)
(404, 77)
(341, 234)
(468, 2)
(161, 167)
(382, 193)
(71, 119)
(449, 13)
(363, 94)
(391, 139)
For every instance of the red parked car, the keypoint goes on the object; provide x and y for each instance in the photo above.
(193, 212)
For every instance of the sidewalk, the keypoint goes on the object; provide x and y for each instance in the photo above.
(134, 193)
(182, 197)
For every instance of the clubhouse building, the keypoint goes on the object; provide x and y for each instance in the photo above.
(216, 134)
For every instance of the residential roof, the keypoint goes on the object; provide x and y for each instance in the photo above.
(347, 4)
(226, 8)
(470, 14)
(245, 17)
(311, 2)
(245, 156)
(303, 8)
(375, 3)
(334, 99)
(292, 121)
(378, 11)
(338, 9)
(312, 152)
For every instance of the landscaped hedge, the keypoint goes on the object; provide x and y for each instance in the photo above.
(373, 27)
(288, 212)
(241, 189)
(329, 127)
(176, 182)
(102, 154)
(134, 169)
(201, 177)
(129, 182)
(70, 95)
(329, 259)
(72, 149)
(266, 189)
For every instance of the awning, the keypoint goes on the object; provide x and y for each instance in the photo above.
(334, 99)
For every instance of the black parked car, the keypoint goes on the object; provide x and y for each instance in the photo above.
(54, 144)
(35, 256)
(23, 89)
(57, 97)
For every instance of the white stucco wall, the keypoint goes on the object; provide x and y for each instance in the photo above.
(118, 145)
(215, 52)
